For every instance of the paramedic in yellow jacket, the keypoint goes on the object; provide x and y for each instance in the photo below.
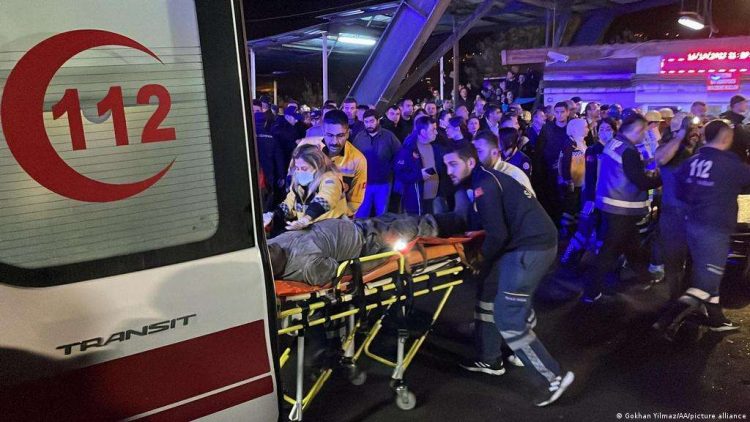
(316, 192)
(347, 158)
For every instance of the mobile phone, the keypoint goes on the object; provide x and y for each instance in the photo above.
(431, 171)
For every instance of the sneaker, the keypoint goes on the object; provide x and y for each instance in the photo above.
(556, 389)
(717, 321)
(514, 360)
(496, 368)
(671, 320)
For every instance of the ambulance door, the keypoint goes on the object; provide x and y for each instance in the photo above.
(134, 279)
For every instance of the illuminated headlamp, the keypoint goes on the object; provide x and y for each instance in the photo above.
(400, 245)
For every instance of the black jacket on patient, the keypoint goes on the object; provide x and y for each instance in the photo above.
(313, 255)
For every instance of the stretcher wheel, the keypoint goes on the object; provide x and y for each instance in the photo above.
(405, 399)
(358, 377)
(355, 375)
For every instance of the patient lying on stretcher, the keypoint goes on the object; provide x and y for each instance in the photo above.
(313, 255)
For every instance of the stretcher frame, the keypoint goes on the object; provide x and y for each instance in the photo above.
(402, 287)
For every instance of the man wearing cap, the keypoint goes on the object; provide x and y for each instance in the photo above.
(667, 114)
(738, 107)
(615, 112)
(316, 117)
(379, 147)
(285, 131)
(653, 136)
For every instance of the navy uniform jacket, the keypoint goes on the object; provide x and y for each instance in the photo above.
(509, 214)
(708, 183)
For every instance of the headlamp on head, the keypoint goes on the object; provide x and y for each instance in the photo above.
(400, 245)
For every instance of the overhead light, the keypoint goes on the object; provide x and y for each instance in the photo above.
(356, 39)
(691, 20)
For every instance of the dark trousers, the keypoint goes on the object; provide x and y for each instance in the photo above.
(548, 193)
(619, 236)
(518, 274)
(571, 205)
(674, 247)
(708, 250)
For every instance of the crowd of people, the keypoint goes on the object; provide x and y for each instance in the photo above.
(592, 177)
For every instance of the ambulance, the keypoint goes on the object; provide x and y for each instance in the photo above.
(134, 279)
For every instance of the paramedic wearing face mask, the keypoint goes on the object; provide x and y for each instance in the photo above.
(316, 192)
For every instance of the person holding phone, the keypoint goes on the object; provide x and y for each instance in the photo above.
(419, 167)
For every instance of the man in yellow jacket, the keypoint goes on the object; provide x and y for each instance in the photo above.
(347, 158)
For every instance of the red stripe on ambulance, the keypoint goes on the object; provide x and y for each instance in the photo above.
(149, 380)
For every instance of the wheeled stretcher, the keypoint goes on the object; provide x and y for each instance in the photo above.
(427, 265)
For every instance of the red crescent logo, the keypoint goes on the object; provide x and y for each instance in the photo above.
(22, 116)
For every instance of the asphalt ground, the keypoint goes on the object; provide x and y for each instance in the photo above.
(622, 366)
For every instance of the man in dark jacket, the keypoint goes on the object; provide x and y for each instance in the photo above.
(549, 145)
(419, 168)
(391, 118)
(406, 123)
(738, 106)
(272, 162)
(708, 184)
(379, 147)
(349, 107)
(520, 246)
(455, 132)
(286, 132)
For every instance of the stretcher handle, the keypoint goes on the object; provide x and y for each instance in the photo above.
(343, 266)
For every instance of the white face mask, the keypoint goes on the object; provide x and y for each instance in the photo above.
(304, 178)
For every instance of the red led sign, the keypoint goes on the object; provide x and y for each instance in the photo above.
(706, 62)
(723, 82)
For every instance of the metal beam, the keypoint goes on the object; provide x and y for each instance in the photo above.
(593, 28)
(324, 54)
(456, 69)
(252, 74)
(563, 11)
(396, 51)
(443, 48)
